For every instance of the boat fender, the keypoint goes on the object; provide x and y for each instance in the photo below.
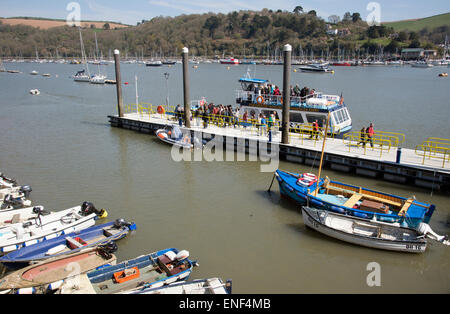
(360, 215)
(316, 202)
(56, 249)
(171, 255)
(30, 290)
(337, 209)
(55, 285)
(182, 255)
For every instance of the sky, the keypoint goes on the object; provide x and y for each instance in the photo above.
(133, 11)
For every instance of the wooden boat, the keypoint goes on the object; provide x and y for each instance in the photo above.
(199, 286)
(49, 274)
(353, 200)
(68, 243)
(16, 236)
(144, 272)
(309, 189)
(364, 232)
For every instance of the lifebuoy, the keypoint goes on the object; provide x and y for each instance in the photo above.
(160, 110)
(260, 100)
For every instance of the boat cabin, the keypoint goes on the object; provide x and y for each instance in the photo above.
(304, 109)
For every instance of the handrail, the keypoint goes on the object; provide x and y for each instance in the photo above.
(354, 139)
(435, 148)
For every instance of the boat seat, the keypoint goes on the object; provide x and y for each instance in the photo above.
(405, 207)
(352, 200)
(15, 219)
(73, 242)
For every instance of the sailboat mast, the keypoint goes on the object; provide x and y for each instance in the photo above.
(323, 150)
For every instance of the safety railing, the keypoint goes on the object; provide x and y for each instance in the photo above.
(306, 131)
(434, 148)
(354, 139)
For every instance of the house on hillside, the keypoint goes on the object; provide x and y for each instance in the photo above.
(412, 53)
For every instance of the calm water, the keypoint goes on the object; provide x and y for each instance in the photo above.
(60, 143)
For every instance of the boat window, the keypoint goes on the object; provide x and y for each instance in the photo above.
(341, 118)
(295, 117)
(313, 117)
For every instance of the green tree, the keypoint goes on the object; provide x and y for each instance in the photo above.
(356, 17)
(212, 23)
(298, 9)
(106, 26)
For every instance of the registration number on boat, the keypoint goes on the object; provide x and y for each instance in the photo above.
(417, 247)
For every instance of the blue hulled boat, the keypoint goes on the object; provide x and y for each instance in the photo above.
(307, 189)
(144, 272)
(68, 243)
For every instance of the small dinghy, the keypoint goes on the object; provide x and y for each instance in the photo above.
(173, 135)
(68, 243)
(49, 275)
(199, 286)
(16, 236)
(35, 92)
(144, 272)
(370, 233)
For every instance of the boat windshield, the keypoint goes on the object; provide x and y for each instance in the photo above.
(176, 133)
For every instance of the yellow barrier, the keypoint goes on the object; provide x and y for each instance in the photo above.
(437, 148)
(355, 138)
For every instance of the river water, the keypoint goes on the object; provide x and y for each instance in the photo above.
(61, 143)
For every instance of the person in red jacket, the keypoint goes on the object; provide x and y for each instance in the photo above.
(369, 134)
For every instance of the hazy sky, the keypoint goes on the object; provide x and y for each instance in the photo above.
(132, 11)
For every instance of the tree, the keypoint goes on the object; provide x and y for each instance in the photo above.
(356, 17)
(402, 36)
(298, 9)
(212, 23)
(347, 17)
(106, 26)
(334, 19)
(312, 12)
(414, 44)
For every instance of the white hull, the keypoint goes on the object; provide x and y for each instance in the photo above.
(364, 232)
(200, 286)
(18, 215)
(15, 236)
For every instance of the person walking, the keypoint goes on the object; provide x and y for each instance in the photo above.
(362, 137)
(315, 130)
(369, 134)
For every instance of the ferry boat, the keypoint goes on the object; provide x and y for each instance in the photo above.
(229, 61)
(307, 109)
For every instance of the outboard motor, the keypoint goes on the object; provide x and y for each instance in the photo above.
(123, 223)
(88, 208)
(107, 249)
(26, 190)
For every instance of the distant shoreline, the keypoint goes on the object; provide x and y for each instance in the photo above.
(46, 23)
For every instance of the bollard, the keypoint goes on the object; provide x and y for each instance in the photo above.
(187, 107)
(287, 50)
(399, 154)
(118, 83)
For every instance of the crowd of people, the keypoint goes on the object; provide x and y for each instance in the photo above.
(269, 89)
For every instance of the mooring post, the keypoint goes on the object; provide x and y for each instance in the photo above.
(187, 106)
(287, 51)
(118, 83)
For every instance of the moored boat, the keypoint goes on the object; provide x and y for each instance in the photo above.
(173, 135)
(49, 274)
(316, 68)
(68, 243)
(229, 61)
(15, 197)
(198, 286)
(368, 233)
(144, 272)
(307, 189)
(157, 63)
(44, 227)
(421, 64)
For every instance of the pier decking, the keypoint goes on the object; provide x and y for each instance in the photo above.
(338, 154)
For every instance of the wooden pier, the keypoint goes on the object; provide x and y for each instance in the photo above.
(338, 155)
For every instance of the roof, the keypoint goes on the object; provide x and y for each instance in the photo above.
(253, 80)
(412, 50)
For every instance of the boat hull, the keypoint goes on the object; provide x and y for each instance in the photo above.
(418, 212)
(311, 218)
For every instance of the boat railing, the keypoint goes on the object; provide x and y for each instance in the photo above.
(434, 148)
(271, 99)
(380, 143)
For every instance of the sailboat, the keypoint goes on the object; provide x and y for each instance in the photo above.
(82, 76)
(323, 193)
(2, 67)
(98, 78)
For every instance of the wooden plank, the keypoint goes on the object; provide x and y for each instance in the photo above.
(352, 200)
(405, 207)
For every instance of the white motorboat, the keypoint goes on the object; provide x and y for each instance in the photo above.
(198, 286)
(43, 227)
(421, 64)
(15, 197)
(316, 68)
(35, 92)
(98, 79)
(34, 73)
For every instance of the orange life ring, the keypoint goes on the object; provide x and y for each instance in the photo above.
(160, 110)
(260, 100)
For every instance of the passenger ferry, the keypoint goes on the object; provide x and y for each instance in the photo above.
(306, 109)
